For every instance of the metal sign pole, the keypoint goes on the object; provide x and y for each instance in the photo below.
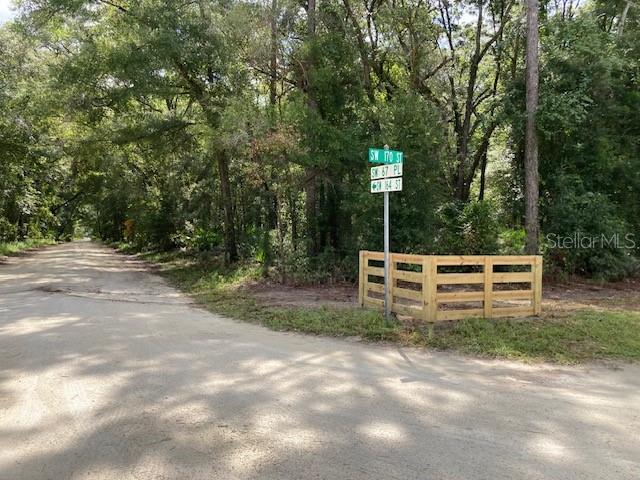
(384, 179)
(387, 299)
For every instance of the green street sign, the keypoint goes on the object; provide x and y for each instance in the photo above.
(380, 155)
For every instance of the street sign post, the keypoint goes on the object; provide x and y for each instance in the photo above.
(384, 179)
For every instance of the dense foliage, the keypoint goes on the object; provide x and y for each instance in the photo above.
(241, 127)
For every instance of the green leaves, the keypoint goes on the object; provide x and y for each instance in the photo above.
(191, 121)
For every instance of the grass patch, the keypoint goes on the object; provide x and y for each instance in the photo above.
(583, 336)
(11, 248)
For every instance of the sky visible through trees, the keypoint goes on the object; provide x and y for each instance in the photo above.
(6, 11)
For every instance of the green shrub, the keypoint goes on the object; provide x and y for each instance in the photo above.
(8, 231)
(467, 228)
(205, 240)
(512, 241)
(584, 235)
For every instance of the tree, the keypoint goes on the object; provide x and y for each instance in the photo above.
(531, 182)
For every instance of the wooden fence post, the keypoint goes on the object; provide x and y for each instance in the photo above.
(487, 302)
(425, 291)
(430, 288)
(392, 269)
(362, 277)
(537, 285)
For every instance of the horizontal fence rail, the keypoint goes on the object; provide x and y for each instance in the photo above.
(451, 287)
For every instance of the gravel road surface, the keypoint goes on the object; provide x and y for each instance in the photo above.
(108, 373)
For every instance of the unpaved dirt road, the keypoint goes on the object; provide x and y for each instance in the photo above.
(107, 373)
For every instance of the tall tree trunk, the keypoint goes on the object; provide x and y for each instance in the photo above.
(531, 193)
(323, 224)
(483, 176)
(311, 200)
(273, 61)
(293, 212)
(465, 132)
(311, 184)
(311, 17)
(230, 244)
(363, 50)
(282, 234)
(334, 212)
(623, 19)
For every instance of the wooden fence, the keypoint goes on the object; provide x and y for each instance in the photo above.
(450, 287)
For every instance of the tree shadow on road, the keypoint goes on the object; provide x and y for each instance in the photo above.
(92, 389)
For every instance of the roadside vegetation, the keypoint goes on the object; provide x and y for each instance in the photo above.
(242, 128)
(11, 248)
(584, 335)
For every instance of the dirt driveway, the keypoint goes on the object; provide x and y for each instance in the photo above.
(108, 373)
